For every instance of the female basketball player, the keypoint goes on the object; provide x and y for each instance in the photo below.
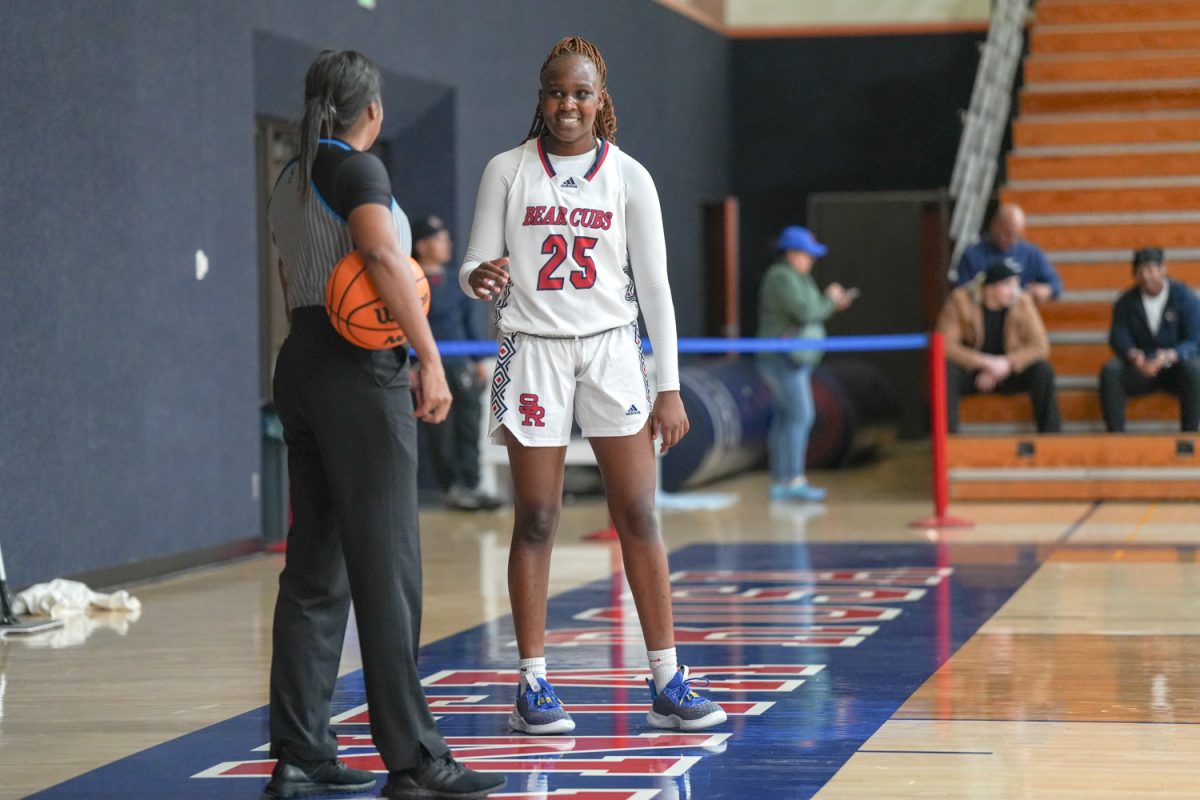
(349, 424)
(557, 221)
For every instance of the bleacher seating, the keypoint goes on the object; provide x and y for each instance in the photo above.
(1106, 159)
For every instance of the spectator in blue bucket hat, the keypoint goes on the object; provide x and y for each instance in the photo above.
(791, 305)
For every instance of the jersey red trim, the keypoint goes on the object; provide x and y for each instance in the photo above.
(546, 165)
(599, 160)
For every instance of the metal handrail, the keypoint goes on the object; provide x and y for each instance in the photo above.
(984, 124)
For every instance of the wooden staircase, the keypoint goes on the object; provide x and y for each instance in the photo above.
(1106, 159)
(1085, 467)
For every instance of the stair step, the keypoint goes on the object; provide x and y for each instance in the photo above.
(1073, 404)
(1100, 11)
(1104, 235)
(1083, 316)
(1118, 274)
(1051, 98)
(1060, 201)
(1080, 427)
(1111, 37)
(1086, 467)
(1079, 359)
(1182, 162)
(1077, 129)
(1073, 452)
(1119, 66)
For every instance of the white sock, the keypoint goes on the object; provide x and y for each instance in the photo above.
(533, 668)
(664, 665)
(799, 480)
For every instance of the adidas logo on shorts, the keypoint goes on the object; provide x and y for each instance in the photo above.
(632, 412)
(569, 183)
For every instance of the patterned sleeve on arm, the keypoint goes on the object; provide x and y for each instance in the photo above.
(648, 258)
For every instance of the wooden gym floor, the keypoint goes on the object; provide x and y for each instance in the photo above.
(1064, 653)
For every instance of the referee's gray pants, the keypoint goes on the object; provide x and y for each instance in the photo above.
(352, 462)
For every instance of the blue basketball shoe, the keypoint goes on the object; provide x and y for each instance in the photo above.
(538, 709)
(678, 707)
(803, 492)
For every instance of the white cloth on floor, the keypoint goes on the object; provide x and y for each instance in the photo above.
(62, 598)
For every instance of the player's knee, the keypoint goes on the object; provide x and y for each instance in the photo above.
(636, 519)
(536, 526)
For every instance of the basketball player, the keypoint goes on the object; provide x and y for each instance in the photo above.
(348, 421)
(564, 224)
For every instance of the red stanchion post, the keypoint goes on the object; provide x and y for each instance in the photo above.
(938, 417)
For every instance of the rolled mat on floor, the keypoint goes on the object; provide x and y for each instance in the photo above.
(729, 407)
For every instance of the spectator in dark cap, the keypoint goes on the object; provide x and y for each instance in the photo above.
(453, 445)
(1155, 336)
(996, 342)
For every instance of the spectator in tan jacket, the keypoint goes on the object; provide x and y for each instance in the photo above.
(996, 342)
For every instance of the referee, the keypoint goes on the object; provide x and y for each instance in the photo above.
(350, 427)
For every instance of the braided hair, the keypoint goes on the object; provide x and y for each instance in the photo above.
(339, 85)
(605, 125)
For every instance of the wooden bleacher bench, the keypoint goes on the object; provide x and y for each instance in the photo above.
(1075, 467)
(1104, 161)
(1077, 406)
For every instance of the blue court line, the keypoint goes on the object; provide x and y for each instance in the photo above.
(832, 344)
(1077, 524)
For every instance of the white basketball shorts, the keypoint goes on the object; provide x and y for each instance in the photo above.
(541, 384)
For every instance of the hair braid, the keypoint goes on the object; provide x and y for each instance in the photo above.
(605, 125)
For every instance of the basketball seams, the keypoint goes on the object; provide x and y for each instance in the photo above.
(338, 296)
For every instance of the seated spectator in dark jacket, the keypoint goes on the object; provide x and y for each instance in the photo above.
(1005, 241)
(996, 342)
(1156, 337)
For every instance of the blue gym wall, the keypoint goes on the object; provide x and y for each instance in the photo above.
(842, 114)
(129, 407)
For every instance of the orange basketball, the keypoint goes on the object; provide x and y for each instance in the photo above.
(354, 307)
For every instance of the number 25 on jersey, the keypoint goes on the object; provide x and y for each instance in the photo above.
(583, 276)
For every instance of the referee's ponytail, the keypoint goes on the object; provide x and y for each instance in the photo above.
(339, 85)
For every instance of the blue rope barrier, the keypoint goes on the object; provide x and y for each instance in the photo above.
(833, 344)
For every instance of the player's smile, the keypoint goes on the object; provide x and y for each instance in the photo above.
(570, 97)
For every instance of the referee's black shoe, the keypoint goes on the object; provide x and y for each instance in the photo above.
(330, 777)
(440, 779)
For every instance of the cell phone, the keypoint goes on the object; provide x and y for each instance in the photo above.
(852, 293)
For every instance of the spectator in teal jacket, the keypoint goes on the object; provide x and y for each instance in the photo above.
(792, 306)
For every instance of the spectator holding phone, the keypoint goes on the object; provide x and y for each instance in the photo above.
(792, 306)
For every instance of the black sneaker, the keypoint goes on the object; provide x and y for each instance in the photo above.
(461, 498)
(441, 779)
(331, 777)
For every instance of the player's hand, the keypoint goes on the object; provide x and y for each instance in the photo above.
(668, 420)
(836, 293)
(489, 278)
(433, 394)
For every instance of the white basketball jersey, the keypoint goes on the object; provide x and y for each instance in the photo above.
(565, 237)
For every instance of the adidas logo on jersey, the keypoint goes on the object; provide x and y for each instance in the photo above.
(569, 183)
(632, 412)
